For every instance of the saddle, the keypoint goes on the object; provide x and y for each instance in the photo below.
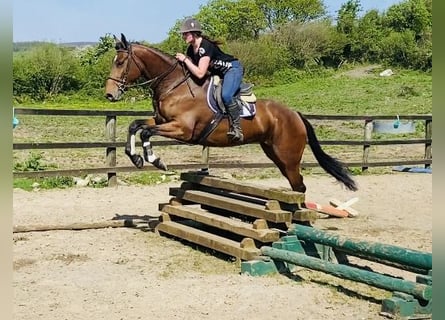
(245, 97)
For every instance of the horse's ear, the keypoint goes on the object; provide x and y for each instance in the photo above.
(124, 40)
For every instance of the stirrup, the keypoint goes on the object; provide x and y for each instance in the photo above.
(236, 136)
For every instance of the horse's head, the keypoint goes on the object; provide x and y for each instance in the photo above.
(124, 70)
(134, 61)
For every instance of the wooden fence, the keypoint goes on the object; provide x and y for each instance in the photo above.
(110, 145)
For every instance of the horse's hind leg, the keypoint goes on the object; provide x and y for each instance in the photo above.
(287, 159)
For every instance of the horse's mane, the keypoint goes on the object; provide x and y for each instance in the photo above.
(166, 56)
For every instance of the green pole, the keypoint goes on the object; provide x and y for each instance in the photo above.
(418, 290)
(403, 256)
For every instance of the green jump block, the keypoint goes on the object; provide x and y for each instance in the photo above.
(258, 267)
(403, 306)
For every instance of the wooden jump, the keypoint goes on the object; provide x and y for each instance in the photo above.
(230, 217)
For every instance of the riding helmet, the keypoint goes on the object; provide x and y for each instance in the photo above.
(189, 25)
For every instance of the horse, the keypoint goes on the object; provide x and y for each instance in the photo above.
(181, 112)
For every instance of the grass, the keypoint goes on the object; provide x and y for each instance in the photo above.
(406, 92)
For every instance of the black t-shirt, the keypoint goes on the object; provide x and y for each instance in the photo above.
(220, 62)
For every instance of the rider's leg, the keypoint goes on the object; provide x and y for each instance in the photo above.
(235, 132)
(231, 84)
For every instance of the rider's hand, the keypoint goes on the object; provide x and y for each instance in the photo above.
(181, 57)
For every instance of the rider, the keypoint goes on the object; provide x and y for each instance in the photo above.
(204, 55)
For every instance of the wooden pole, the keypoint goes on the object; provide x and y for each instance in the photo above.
(367, 137)
(110, 133)
(130, 223)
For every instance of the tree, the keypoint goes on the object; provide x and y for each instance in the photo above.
(277, 12)
(411, 40)
(91, 55)
(232, 20)
(174, 42)
(347, 16)
(96, 63)
(415, 15)
(366, 44)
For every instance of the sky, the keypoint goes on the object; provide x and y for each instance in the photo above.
(61, 21)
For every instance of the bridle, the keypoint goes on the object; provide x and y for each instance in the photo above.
(122, 82)
(152, 83)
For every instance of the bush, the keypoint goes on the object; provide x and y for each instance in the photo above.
(44, 71)
(261, 58)
(96, 65)
(410, 43)
(367, 38)
(307, 42)
(401, 49)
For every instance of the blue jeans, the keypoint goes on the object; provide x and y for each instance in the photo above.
(232, 82)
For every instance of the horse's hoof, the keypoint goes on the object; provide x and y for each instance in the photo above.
(137, 161)
(158, 163)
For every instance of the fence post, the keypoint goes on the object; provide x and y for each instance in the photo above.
(428, 135)
(367, 137)
(110, 134)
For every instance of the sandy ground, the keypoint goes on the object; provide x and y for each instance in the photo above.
(128, 273)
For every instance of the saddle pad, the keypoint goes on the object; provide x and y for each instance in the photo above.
(248, 109)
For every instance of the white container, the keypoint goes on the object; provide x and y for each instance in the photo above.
(395, 127)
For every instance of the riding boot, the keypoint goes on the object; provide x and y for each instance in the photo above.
(235, 132)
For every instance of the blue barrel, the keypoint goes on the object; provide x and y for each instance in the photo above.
(15, 122)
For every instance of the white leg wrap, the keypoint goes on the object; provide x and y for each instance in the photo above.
(150, 153)
(133, 144)
(151, 158)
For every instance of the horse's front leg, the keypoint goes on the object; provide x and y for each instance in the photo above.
(148, 130)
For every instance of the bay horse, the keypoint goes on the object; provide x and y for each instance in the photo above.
(181, 112)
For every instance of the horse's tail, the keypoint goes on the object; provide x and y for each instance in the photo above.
(329, 164)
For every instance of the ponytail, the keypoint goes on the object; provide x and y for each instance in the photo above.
(215, 42)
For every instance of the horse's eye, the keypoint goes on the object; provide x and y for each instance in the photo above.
(118, 61)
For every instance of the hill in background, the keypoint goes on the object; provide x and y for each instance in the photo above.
(26, 45)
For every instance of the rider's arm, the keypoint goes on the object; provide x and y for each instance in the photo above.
(199, 70)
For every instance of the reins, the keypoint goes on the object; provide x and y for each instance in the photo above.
(152, 83)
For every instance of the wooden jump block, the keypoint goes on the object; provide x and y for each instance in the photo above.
(282, 195)
(305, 215)
(172, 202)
(272, 205)
(258, 230)
(244, 250)
(260, 224)
(234, 205)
